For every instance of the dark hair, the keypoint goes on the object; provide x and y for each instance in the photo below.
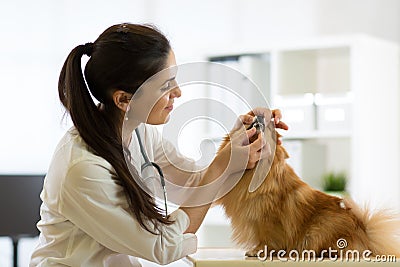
(122, 58)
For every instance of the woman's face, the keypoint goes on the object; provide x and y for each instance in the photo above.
(169, 90)
(153, 102)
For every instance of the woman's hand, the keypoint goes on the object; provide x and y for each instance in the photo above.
(275, 115)
(259, 148)
(248, 153)
(237, 155)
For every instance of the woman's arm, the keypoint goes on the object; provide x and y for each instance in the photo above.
(232, 158)
(97, 205)
(195, 190)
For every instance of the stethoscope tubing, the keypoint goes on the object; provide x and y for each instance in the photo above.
(148, 163)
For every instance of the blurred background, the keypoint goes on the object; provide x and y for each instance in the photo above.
(332, 66)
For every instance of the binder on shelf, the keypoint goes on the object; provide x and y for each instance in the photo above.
(299, 111)
(334, 112)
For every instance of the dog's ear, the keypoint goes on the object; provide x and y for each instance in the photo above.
(281, 153)
(285, 154)
(225, 141)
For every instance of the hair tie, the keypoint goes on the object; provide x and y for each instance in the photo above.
(88, 49)
(123, 28)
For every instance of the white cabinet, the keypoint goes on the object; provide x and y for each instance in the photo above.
(308, 159)
(343, 93)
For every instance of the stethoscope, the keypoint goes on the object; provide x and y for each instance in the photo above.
(148, 163)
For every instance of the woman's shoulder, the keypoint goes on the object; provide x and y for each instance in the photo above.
(148, 129)
(72, 162)
(73, 149)
(151, 133)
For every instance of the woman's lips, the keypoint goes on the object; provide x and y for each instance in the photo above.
(171, 107)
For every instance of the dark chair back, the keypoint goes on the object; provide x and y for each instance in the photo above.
(20, 204)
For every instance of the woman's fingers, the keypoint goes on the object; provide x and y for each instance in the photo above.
(259, 149)
(246, 119)
(243, 119)
(258, 143)
(281, 125)
(247, 135)
(258, 155)
(275, 115)
(265, 112)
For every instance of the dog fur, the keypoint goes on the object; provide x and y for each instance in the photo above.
(285, 213)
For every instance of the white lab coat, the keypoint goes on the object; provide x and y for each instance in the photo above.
(85, 218)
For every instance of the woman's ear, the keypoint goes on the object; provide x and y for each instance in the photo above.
(121, 99)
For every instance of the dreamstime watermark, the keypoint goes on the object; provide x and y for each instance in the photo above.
(330, 254)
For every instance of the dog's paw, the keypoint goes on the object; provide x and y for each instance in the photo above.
(252, 253)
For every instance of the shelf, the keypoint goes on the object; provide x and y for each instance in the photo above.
(324, 70)
(348, 80)
(302, 135)
(315, 135)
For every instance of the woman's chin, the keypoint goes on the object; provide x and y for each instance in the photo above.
(159, 121)
(167, 119)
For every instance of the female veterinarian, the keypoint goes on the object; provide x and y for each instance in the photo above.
(95, 211)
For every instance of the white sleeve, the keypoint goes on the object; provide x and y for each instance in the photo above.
(92, 200)
(177, 168)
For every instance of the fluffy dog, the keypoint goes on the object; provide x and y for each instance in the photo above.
(285, 213)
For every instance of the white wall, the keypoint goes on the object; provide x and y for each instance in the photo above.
(378, 18)
(37, 36)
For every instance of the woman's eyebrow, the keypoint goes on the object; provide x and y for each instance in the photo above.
(170, 79)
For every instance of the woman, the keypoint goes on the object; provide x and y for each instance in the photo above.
(95, 211)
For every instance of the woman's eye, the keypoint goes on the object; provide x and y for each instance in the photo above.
(167, 85)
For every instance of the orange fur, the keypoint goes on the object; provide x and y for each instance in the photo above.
(286, 213)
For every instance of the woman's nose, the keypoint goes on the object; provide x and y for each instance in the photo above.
(176, 92)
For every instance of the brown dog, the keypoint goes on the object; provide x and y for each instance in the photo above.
(285, 213)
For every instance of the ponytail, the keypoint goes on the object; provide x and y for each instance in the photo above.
(72, 89)
(101, 133)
